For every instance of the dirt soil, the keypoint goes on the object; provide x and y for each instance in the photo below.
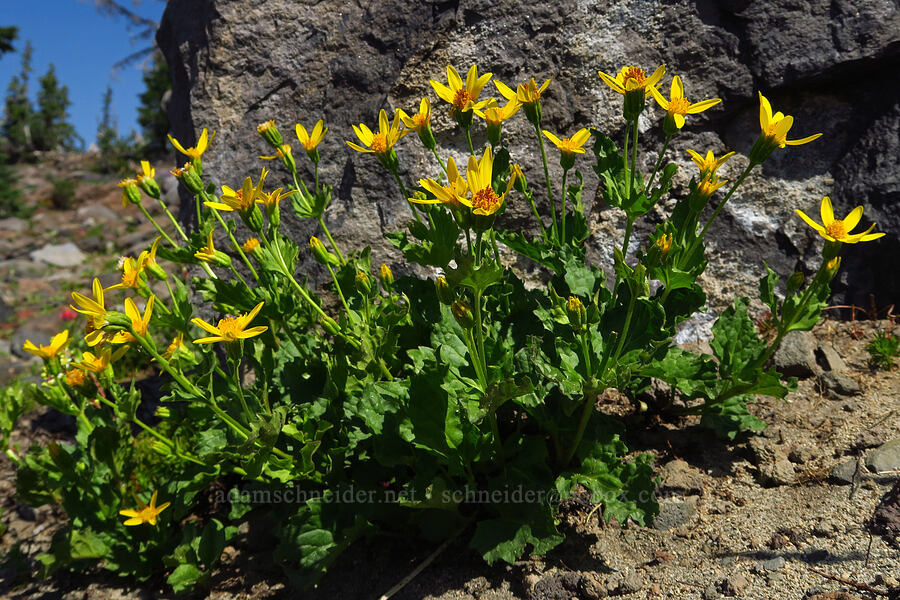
(763, 517)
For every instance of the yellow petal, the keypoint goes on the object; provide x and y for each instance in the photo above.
(453, 79)
(810, 222)
(443, 92)
(826, 211)
(765, 113)
(204, 325)
(302, 134)
(802, 141)
(677, 90)
(504, 90)
(556, 141)
(611, 82)
(679, 120)
(581, 136)
(852, 220)
(699, 107)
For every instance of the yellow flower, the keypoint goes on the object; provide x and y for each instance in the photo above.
(230, 329)
(208, 252)
(250, 246)
(775, 127)
(571, 145)
(708, 184)
(633, 78)
(95, 310)
(197, 151)
(454, 193)
(709, 164)
(838, 230)
(145, 514)
(51, 351)
(95, 363)
(271, 199)
(241, 200)
(131, 273)
(664, 243)
(281, 152)
(525, 93)
(494, 114)
(75, 378)
(677, 106)
(381, 142)
(310, 141)
(177, 342)
(462, 97)
(485, 200)
(139, 324)
(131, 193)
(419, 121)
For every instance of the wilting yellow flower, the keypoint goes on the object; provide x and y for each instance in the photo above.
(454, 193)
(131, 193)
(664, 243)
(230, 329)
(775, 127)
(462, 97)
(250, 246)
(282, 151)
(633, 78)
(241, 200)
(138, 323)
(147, 260)
(208, 252)
(570, 145)
(709, 164)
(677, 106)
(525, 93)
(95, 363)
(52, 350)
(494, 114)
(311, 140)
(145, 514)
(95, 310)
(419, 121)
(381, 142)
(75, 378)
(485, 200)
(838, 230)
(197, 151)
(177, 342)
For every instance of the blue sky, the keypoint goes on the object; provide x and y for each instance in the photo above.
(83, 45)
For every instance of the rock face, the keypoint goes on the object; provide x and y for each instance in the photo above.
(830, 64)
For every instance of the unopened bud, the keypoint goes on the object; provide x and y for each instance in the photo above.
(150, 187)
(253, 218)
(463, 314)
(795, 281)
(131, 194)
(833, 266)
(386, 276)
(162, 412)
(250, 246)
(577, 313)
(270, 133)
(330, 325)
(363, 283)
(444, 291)
(664, 245)
(427, 137)
(188, 176)
(320, 253)
(520, 183)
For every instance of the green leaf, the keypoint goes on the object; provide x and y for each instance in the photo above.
(84, 543)
(731, 417)
(692, 374)
(470, 276)
(506, 539)
(212, 543)
(767, 289)
(435, 246)
(735, 342)
(185, 577)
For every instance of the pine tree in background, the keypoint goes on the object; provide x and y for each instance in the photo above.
(151, 112)
(7, 36)
(115, 153)
(18, 111)
(50, 129)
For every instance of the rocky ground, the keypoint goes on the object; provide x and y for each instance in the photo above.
(807, 509)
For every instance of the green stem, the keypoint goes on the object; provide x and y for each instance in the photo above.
(537, 216)
(172, 218)
(440, 162)
(197, 208)
(331, 239)
(494, 245)
(579, 433)
(659, 160)
(479, 334)
(469, 140)
(236, 375)
(476, 363)
(317, 176)
(625, 328)
(562, 215)
(415, 211)
(236, 247)
(634, 149)
(725, 199)
(587, 355)
(337, 286)
(537, 131)
(158, 228)
(629, 224)
(625, 159)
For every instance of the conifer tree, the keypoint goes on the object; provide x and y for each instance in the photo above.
(50, 127)
(7, 36)
(151, 114)
(18, 111)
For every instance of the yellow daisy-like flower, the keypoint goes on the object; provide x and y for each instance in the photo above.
(271, 199)
(146, 171)
(633, 78)
(494, 114)
(462, 97)
(419, 121)
(241, 200)
(197, 151)
(52, 350)
(75, 378)
(485, 200)
(282, 151)
(177, 342)
(709, 164)
(311, 140)
(454, 193)
(208, 252)
(250, 246)
(131, 193)
(525, 93)
(677, 106)
(708, 184)
(138, 323)
(131, 273)
(95, 309)
(145, 514)
(230, 329)
(838, 230)
(381, 142)
(570, 145)
(95, 363)
(775, 127)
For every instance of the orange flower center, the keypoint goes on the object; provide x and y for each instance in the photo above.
(75, 377)
(462, 98)
(229, 328)
(379, 143)
(679, 106)
(836, 229)
(487, 200)
(635, 74)
(420, 120)
(567, 146)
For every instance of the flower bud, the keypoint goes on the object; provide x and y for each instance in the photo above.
(162, 412)
(320, 253)
(253, 218)
(521, 184)
(220, 259)
(149, 186)
(386, 276)
(250, 246)
(463, 314)
(330, 325)
(363, 284)
(270, 133)
(832, 266)
(794, 282)
(287, 157)
(188, 176)
(664, 245)
(533, 112)
(444, 291)
(131, 194)
(493, 133)
(577, 313)
(567, 160)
